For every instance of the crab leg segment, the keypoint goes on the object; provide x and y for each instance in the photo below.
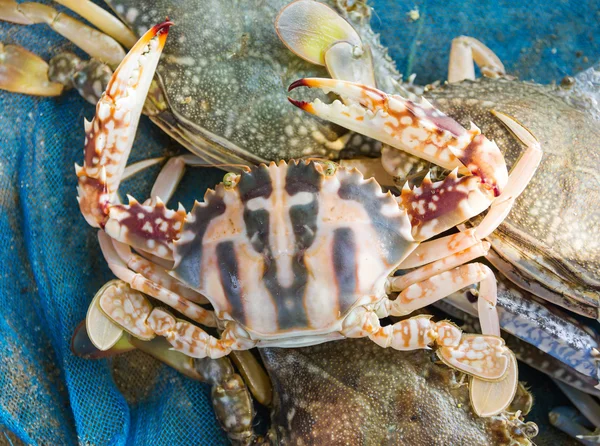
(24, 72)
(416, 128)
(431, 251)
(110, 135)
(426, 292)
(139, 282)
(519, 178)
(445, 264)
(150, 228)
(195, 342)
(477, 355)
(156, 273)
(90, 40)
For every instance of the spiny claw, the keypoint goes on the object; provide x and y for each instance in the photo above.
(416, 128)
(110, 135)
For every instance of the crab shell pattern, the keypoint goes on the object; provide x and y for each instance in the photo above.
(290, 251)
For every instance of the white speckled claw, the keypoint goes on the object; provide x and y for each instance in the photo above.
(110, 135)
(416, 128)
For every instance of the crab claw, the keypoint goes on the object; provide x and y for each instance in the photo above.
(416, 128)
(109, 137)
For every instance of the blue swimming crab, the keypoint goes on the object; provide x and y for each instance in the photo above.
(284, 252)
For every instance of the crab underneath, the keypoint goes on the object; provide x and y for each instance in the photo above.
(295, 254)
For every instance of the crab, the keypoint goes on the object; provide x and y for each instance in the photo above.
(531, 248)
(483, 119)
(300, 253)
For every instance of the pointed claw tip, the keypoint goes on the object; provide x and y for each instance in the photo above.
(298, 83)
(306, 106)
(163, 27)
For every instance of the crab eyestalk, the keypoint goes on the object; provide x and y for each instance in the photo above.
(416, 128)
(110, 135)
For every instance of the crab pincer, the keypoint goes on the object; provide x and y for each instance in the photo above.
(416, 128)
(111, 133)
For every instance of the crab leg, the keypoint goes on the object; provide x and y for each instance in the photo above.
(134, 313)
(437, 249)
(90, 40)
(518, 179)
(101, 19)
(416, 128)
(466, 50)
(110, 135)
(23, 72)
(437, 267)
(156, 274)
(478, 355)
(141, 283)
(426, 292)
(195, 342)
(170, 175)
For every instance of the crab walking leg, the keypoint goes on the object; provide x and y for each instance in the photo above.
(519, 177)
(170, 175)
(102, 19)
(466, 50)
(426, 292)
(478, 355)
(141, 283)
(93, 42)
(571, 422)
(133, 312)
(440, 248)
(452, 261)
(156, 274)
(585, 403)
(135, 168)
(195, 342)
(24, 72)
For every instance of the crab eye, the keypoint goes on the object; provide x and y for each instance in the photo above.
(230, 180)
(330, 168)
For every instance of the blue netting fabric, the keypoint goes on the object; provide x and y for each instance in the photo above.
(51, 266)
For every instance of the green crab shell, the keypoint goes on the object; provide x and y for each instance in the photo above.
(225, 74)
(290, 250)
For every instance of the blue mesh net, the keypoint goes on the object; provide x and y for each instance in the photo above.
(51, 265)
